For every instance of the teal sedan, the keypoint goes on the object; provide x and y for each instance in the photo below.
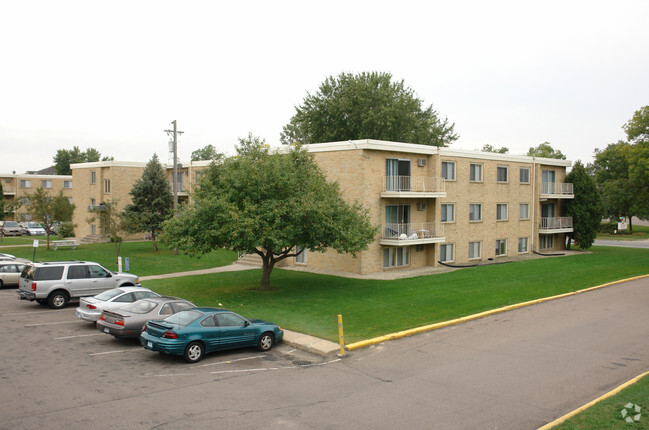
(195, 332)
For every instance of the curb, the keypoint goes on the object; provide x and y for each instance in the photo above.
(430, 327)
(591, 403)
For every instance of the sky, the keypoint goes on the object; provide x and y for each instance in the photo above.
(114, 75)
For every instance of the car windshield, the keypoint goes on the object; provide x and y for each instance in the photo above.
(184, 317)
(107, 295)
(140, 307)
(11, 224)
(34, 225)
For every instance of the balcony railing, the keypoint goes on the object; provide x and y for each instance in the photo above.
(413, 184)
(556, 223)
(93, 208)
(558, 189)
(412, 231)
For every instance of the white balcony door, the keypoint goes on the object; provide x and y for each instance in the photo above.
(548, 178)
(397, 220)
(547, 210)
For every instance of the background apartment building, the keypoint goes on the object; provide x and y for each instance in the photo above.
(17, 188)
(443, 205)
(105, 181)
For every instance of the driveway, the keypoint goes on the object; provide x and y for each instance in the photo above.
(623, 243)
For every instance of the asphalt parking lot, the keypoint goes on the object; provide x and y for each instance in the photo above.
(52, 362)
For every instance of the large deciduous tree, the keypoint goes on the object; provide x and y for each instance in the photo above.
(490, 148)
(49, 210)
(366, 106)
(269, 203)
(545, 150)
(586, 209)
(152, 201)
(65, 157)
(114, 223)
(208, 152)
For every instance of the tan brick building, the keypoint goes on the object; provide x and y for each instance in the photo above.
(17, 188)
(104, 181)
(440, 204)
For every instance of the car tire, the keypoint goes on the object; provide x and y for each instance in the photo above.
(266, 341)
(57, 299)
(1, 284)
(194, 352)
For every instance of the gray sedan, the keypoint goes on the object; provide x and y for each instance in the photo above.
(127, 322)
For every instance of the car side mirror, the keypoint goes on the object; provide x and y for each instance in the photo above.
(246, 324)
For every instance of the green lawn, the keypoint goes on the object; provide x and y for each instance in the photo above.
(640, 232)
(142, 260)
(607, 414)
(310, 303)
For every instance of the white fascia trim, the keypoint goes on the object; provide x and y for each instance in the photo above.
(382, 145)
(28, 176)
(99, 164)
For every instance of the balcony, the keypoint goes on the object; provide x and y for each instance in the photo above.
(551, 225)
(412, 234)
(96, 208)
(415, 187)
(557, 190)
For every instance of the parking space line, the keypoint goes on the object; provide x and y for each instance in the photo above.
(27, 313)
(51, 323)
(78, 335)
(229, 361)
(112, 352)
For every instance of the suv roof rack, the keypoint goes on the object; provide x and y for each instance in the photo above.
(60, 262)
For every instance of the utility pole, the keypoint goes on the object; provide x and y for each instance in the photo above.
(174, 181)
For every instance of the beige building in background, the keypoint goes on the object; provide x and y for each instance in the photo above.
(443, 205)
(105, 181)
(17, 188)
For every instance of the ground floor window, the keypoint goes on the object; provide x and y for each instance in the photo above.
(546, 242)
(301, 256)
(446, 252)
(522, 244)
(501, 247)
(474, 250)
(395, 257)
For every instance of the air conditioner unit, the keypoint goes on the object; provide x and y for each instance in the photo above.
(421, 206)
(421, 162)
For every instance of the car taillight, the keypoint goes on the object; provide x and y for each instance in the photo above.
(102, 317)
(91, 306)
(119, 322)
(170, 335)
(33, 286)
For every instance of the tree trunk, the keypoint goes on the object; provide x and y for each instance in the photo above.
(267, 268)
(155, 245)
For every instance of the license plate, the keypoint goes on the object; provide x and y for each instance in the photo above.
(149, 345)
(106, 330)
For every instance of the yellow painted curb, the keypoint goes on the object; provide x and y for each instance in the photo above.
(589, 404)
(430, 327)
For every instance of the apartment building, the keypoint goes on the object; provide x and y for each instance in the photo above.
(440, 205)
(105, 181)
(17, 188)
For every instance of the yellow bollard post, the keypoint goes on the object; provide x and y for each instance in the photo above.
(341, 337)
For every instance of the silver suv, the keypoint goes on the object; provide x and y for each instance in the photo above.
(58, 282)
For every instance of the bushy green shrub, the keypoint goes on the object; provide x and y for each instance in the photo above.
(607, 228)
(66, 229)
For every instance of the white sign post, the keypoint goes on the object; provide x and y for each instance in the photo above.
(119, 264)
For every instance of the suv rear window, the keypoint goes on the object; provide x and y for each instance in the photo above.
(48, 273)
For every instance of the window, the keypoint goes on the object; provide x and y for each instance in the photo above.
(46, 184)
(70, 200)
(98, 272)
(25, 201)
(180, 181)
(448, 210)
(230, 320)
(67, 184)
(475, 172)
(301, 256)
(77, 272)
(397, 174)
(474, 250)
(501, 212)
(448, 170)
(25, 183)
(107, 185)
(501, 247)
(208, 321)
(397, 220)
(166, 309)
(546, 242)
(475, 212)
(446, 252)
(525, 175)
(501, 174)
(524, 211)
(395, 257)
(522, 244)
(125, 298)
(93, 177)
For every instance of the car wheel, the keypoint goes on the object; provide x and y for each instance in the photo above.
(194, 352)
(57, 300)
(266, 342)
(1, 284)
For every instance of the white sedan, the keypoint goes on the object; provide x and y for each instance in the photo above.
(90, 308)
